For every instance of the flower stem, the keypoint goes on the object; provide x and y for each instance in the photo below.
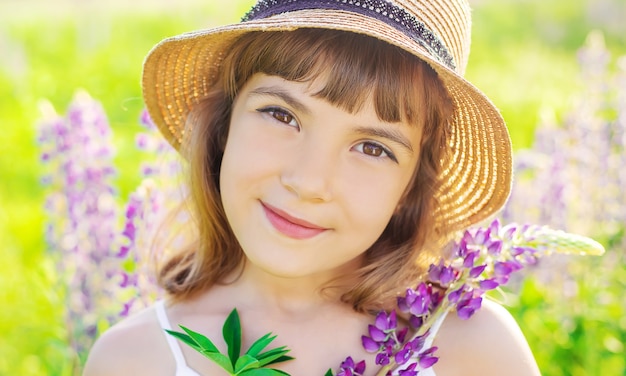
(433, 323)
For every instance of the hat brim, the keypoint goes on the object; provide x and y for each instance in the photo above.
(476, 178)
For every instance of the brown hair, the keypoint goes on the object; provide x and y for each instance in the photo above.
(355, 67)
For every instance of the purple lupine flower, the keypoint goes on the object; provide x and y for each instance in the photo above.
(100, 263)
(503, 269)
(441, 274)
(350, 368)
(82, 212)
(410, 370)
(469, 259)
(488, 284)
(455, 295)
(147, 207)
(495, 247)
(382, 358)
(146, 121)
(477, 270)
(404, 354)
(426, 359)
(369, 344)
(386, 321)
(377, 335)
(381, 333)
(417, 302)
(468, 305)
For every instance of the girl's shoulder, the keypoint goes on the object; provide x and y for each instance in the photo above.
(489, 343)
(129, 347)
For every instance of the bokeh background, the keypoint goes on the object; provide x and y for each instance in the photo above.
(554, 68)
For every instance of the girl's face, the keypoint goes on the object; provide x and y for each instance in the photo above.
(307, 187)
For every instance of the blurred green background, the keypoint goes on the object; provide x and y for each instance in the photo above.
(523, 57)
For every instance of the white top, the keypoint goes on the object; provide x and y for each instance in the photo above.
(182, 369)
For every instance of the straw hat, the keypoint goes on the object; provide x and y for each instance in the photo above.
(476, 181)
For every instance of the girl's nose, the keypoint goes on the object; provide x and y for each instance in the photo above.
(308, 173)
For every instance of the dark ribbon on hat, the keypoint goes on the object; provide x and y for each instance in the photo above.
(381, 10)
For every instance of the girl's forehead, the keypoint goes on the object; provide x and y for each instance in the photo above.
(346, 69)
(290, 91)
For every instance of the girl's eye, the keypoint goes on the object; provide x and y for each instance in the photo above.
(281, 115)
(376, 150)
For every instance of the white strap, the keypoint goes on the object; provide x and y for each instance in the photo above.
(434, 329)
(171, 341)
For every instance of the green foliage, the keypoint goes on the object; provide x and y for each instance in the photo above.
(523, 57)
(580, 329)
(524, 54)
(251, 363)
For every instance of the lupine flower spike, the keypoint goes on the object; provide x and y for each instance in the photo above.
(484, 259)
(77, 152)
(146, 210)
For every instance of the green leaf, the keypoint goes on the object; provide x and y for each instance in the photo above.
(251, 363)
(329, 373)
(221, 360)
(272, 352)
(281, 359)
(260, 344)
(246, 362)
(185, 339)
(264, 372)
(273, 356)
(201, 340)
(210, 352)
(232, 335)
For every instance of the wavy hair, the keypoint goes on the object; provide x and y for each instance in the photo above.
(355, 68)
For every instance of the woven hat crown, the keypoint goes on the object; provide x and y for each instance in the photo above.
(450, 21)
(440, 24)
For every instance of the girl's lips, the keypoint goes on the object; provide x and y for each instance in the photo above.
(292, 227)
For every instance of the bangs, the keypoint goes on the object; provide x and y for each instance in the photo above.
(354, 68)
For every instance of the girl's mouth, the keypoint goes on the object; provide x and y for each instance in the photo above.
(291, 226)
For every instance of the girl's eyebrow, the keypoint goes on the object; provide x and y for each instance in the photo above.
(390, 134)
(282, 94)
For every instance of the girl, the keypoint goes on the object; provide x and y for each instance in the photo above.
(333, 147)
